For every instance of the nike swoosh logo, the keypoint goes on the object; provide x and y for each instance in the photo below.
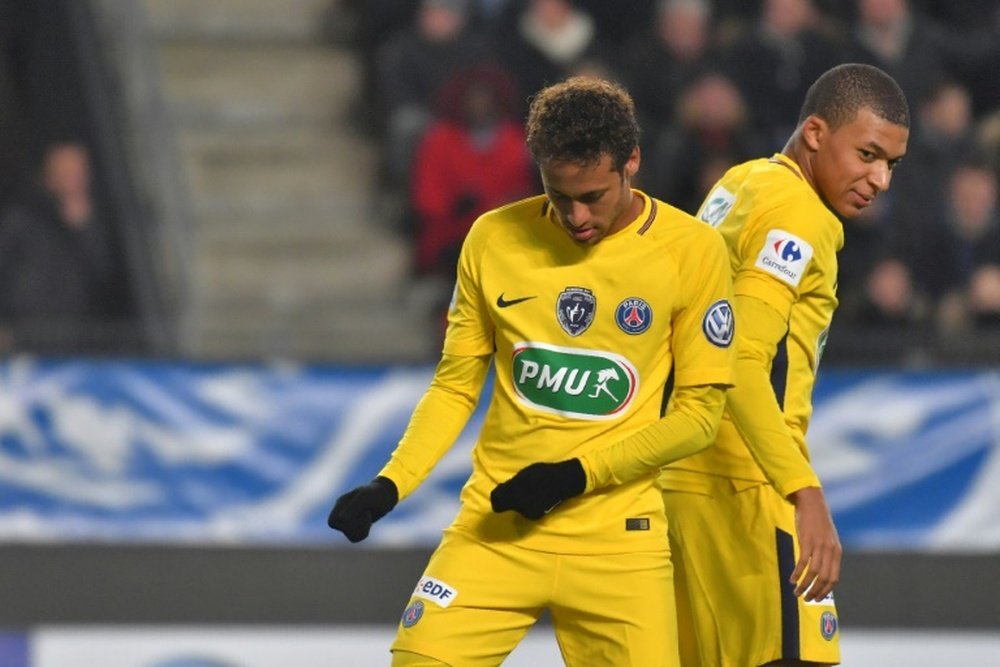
(502, 303)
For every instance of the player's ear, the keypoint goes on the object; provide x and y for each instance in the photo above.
(814, 131)
(632, 164)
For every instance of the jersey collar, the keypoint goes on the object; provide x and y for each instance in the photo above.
(788, 163)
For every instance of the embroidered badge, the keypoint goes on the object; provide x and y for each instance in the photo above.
(575, 310)
(785, 256)
(718, 324)
(633, 315)
(717, 205)
(412, 614)
(828, 625)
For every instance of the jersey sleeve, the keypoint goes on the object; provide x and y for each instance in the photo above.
(777, 252)
(703, 328)
(470, 330)
(689, 427)
(754, 407)
(437, 421)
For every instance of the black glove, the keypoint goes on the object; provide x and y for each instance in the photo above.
(537, 489)
(356, 511)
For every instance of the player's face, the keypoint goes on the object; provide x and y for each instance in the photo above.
(854, 163)
(591, 201)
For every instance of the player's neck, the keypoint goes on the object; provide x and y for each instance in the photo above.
(799, 153)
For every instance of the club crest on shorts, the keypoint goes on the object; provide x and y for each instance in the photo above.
(718, 324)
(575, 309)
(633, 315)
(828, 625)
(412, 614)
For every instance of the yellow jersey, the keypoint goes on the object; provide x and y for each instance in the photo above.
(583, 340)
(783, 243)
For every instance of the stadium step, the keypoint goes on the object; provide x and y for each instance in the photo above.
(245, 20)
(287, 259)
(296, 172)
(300, 267)
(233, 84)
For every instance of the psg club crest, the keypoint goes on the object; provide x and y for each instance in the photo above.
(575, 310)
(828, 625)
(633, 315)
(412, 614)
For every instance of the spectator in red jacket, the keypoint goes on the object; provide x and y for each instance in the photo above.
(472, 158)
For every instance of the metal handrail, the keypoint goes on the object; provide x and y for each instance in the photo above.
(138, 145)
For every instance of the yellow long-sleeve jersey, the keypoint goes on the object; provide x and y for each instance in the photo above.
(583, 340)
(783, 243)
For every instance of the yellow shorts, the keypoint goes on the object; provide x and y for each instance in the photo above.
(734, 548)
(476, 601)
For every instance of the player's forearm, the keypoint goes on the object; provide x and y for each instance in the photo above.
(754, 407)
(437, 420)
(758, 418)
(689, 427)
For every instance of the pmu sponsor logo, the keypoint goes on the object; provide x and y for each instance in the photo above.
(435, 590)
(585, 384)
(785, 256)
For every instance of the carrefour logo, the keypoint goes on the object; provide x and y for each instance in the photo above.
(785, 256)
(585, 384)
(788, 250)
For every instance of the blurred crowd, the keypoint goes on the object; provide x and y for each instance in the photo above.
(62, 275)
(716, 82)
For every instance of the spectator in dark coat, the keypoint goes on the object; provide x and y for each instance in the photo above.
(58, 269)
(776, 60)
(960, 263)
(412, 68)
(658, 65)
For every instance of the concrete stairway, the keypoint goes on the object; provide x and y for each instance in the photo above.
(289, 262)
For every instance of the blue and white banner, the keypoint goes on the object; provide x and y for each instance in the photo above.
(910, 460)
(166, 453)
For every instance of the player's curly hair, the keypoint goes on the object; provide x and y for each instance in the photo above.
(581, 119)
(842, 91)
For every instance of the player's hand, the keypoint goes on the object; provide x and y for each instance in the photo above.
(536, 490)
(818, 569)
(356, 511)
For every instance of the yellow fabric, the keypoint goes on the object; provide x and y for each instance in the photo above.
(573, 373)
(437, 420)
(730, 574)
(688, 427)
(752, 403)
(782, 243)
(408, 659)
(605, 611)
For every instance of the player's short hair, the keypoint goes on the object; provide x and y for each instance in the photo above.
(581, 119)
(839, 93)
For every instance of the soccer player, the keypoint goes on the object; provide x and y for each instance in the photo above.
(586, 299)
(755, 549)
